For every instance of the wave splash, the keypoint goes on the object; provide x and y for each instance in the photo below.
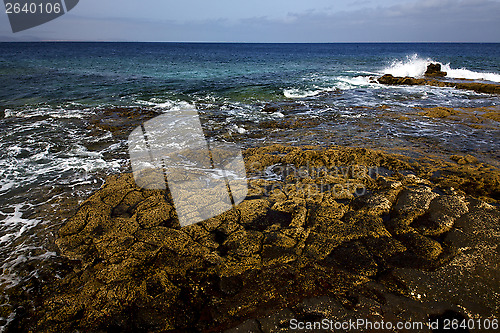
(416, 66)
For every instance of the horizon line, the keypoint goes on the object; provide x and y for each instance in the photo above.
(245, 42)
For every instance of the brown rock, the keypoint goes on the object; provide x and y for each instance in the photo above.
(488, 88)
(253, 213)
(422, 246)
(434, 70)
(244, 243)
(414, 199)
(250, 326)
(388, 79)
(139, 270)
(270, 108)
(443, 211)
(467, 159)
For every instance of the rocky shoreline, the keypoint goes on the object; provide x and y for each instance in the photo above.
(333, 233)
(434, 77)
(338, 233)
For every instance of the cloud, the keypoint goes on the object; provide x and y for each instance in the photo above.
(429, 20)
(359, 3)
(447, 20)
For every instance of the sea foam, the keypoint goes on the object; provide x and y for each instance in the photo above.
(297, 93)
(415, 66)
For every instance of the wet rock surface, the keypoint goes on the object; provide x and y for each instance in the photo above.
(487, 118)
(430, 80)
(119, 120)
(339, 233)
(435, 70)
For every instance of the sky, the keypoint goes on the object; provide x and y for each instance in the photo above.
(270, 21)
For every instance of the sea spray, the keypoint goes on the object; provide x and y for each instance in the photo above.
(415, 66)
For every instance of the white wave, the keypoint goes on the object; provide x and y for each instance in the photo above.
(415, 66)
(337, 82)
(157, 103)
(345, 82)
(167, 105)
(357, 80)
(238, 129)
(363, 72)
(6, 185)
(468, 74)
(45, 111)
(297, 93)
(15, 225)
(304, 93)
(16, 150)
(351, 115)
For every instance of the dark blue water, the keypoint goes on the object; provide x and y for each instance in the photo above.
(52, 95)
(122, 73)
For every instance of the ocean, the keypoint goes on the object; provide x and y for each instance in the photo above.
(56, 98)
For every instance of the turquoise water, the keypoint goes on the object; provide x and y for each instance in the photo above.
(52, 93)
(123, 73)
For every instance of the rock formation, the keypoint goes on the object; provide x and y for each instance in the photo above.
(337, 233)
(433, 72)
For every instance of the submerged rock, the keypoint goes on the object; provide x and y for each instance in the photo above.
(270, 108)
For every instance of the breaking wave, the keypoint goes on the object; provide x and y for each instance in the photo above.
(416, 66)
